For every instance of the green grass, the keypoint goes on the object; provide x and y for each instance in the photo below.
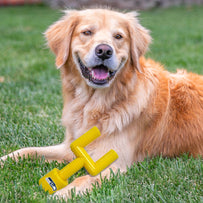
(31, 106)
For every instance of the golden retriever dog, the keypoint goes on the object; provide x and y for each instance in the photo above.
(141, 109)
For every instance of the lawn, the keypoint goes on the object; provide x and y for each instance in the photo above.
(31, 106)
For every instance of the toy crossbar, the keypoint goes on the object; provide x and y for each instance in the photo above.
(57, 179)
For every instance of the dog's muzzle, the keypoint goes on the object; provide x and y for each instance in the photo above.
(99, 73)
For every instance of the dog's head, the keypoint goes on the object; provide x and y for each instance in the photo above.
(100, 41)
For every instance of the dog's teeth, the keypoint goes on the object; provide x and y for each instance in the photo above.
(92, 73)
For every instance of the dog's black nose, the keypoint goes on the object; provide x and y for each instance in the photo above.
(103, 51)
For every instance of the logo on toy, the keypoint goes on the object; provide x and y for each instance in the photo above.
(51, 183)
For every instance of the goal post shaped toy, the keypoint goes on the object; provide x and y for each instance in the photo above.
(57, 179)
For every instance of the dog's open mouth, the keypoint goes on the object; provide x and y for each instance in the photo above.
(99, 75)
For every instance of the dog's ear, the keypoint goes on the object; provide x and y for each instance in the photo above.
(139, 39)
(59, 37)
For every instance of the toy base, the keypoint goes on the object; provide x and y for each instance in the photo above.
(52, 182)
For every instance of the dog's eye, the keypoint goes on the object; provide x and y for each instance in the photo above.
(118, 36)
(87, 33)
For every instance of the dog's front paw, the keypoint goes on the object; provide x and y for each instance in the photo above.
(78, 186)
(65, 193)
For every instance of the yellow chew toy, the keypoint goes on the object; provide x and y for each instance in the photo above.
(57, 179)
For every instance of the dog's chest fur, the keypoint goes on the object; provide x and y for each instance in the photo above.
(110, 110)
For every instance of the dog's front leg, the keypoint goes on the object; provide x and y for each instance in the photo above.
(59, 153)
(83, 184)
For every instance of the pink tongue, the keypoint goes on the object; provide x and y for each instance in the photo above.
(100, 73)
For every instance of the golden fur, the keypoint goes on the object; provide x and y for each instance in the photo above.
(144, 111)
